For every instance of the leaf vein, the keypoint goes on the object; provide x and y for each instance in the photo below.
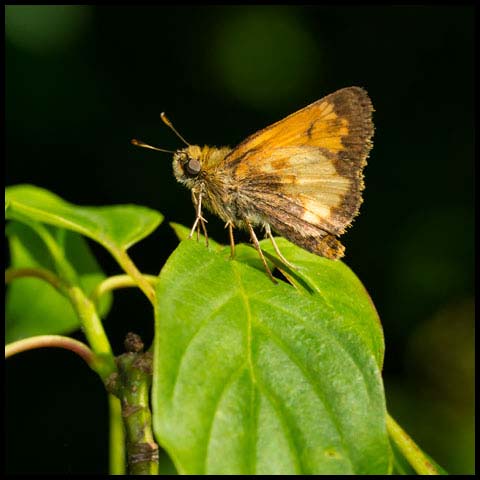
(280, 344)
(270, 396)
(228, 383)
(202, 324)
(324, 331)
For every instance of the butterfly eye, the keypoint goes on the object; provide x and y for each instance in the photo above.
(193, 167)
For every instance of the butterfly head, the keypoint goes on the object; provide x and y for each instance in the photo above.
(188, 165)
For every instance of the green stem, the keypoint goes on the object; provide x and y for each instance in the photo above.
(45, 341)
(129, 267)
(43, 274)
(62, 266)
(117, 437)
(93, 329)
(92, 326)
(417, 459)
(115, 282)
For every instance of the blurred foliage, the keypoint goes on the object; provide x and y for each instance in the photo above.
(82, 81)
(45, 29)
(263, 56)
(434, 400)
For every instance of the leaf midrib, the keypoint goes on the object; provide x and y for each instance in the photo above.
(253, 407)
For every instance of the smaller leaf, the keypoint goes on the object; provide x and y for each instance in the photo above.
(116, 227)
(34, 307)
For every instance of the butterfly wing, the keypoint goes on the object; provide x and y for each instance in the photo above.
(303, 174)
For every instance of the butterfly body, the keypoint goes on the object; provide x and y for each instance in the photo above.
(217, 190)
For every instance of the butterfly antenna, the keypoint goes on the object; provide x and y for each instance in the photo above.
(138, 143)
(168, 123)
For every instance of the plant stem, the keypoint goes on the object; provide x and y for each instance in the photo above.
(117, 281)
(132, 386)
(62, 266)
(129, 267)
(417, 459)
(47, 275)
(117, 437)
(103, 363)
(93, 329)
(44, 341)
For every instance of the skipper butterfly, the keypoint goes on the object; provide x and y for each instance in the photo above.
(301, 177)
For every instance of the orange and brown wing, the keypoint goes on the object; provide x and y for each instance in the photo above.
(303, 174)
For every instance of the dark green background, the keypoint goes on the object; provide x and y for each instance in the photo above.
(82, 81)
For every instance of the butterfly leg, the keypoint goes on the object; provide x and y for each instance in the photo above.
(268, 232)
(197, 203)
(204, 228)
(199, 220)
(259, 250)
(229, 224)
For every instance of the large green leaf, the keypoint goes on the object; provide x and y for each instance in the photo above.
(33, 306)
(116, 227)
(253, 377)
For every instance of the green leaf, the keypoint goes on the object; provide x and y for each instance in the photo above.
(256, 378)
(33, 306)
(116, 227)
(339, 288)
